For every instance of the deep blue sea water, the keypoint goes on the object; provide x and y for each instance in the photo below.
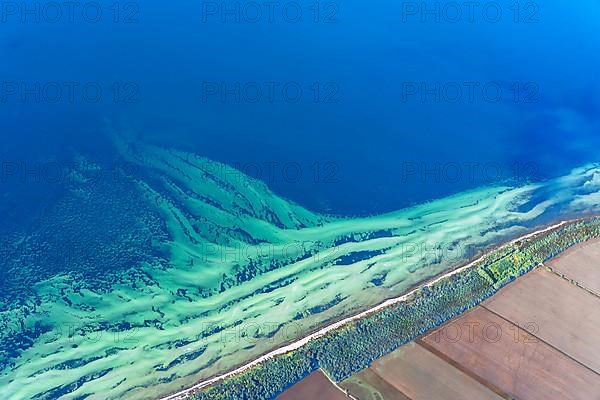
(363, 138)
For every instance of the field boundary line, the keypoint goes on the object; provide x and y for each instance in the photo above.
(462, 368)
(571, 281)
(544, 342)
(338, 387)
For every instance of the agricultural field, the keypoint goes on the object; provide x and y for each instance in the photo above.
(534, 339)
(367, 385)
(555, 311)
(421, 375)
(315, 386)
(514, 362)
(580, 264)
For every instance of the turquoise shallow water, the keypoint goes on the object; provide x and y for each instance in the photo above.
(172, 268)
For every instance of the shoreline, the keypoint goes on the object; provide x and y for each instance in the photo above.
(295, 345)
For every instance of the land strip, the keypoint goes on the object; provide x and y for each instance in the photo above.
(534, 339)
